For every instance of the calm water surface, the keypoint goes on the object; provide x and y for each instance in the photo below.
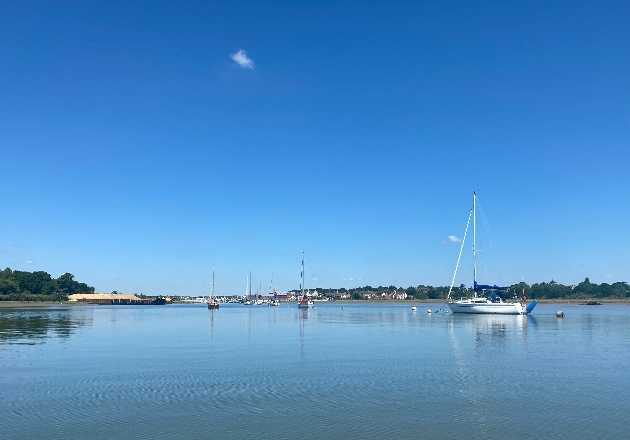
(369, 371)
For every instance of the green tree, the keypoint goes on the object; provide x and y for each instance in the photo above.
(66, 283)
(9, 286)
(38, 283)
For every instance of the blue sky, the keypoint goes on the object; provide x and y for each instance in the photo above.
(136, 152)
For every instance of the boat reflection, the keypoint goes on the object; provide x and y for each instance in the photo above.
(493, 329)
(20, 326)
(303, 318)
(211, 326)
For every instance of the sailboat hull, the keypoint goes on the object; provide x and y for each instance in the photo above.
(487, 308)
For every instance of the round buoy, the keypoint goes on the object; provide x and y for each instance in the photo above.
(560, 314)
(429, 311)
(343, 308)
(414, 308)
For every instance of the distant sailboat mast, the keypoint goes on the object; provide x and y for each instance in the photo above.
(474, 244)
(304, 301)
(302, 274)
(212, 303)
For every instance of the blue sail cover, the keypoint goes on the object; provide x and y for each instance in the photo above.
(480, 287)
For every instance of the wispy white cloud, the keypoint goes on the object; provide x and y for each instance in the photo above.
(348, 279)
(242, 59)
(28, 262)
(607, 276)
(452, 239)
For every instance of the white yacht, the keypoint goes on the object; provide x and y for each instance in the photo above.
(487, 306)
(493, 303)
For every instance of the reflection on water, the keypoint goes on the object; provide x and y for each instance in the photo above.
(303, 318)
(211, 313)
(494, 329)
(335, 371)
(32, 326)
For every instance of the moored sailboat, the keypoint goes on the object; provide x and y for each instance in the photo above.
(493, 303)
(213, 303)
(305, 302)
(248, 291)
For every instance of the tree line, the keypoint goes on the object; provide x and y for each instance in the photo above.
(17, 285)
(544, 290)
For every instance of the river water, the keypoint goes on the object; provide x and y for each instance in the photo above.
(366, 371)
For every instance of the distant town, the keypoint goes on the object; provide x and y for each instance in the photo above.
(18, 285)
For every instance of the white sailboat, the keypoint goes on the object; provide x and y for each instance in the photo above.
(304, 303)
(257, 300)
(248, 291)
(272, 302)
(493, 304)
(213, 303)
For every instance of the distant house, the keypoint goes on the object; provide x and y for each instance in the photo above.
(283, 296)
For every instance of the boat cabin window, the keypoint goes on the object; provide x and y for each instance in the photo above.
(495, 298)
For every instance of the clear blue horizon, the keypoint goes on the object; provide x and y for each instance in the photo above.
(142, 143)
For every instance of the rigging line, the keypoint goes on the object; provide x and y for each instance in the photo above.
(459, 257)
(492, 243)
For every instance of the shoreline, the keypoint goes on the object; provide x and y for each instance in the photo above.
(581, 301)
(441, 301)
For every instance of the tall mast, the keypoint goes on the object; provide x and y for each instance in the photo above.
(250, 285)
(474, 243)
(212, 280)
(302, 274)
